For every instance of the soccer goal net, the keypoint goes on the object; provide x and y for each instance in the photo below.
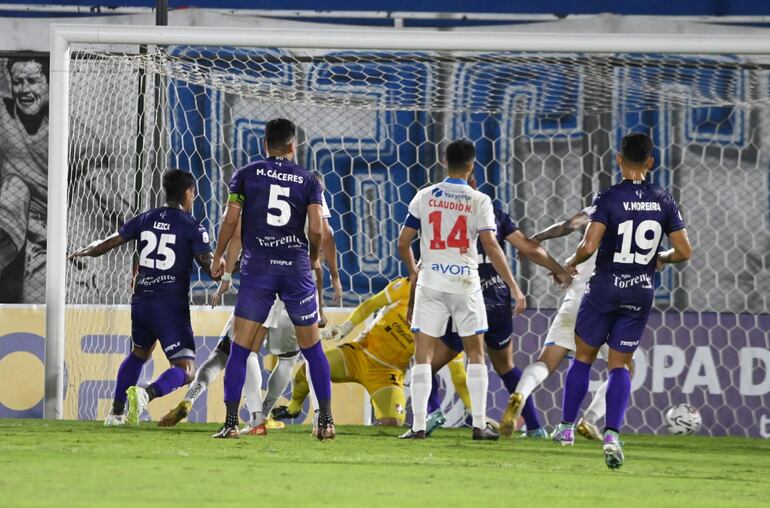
(374, 111)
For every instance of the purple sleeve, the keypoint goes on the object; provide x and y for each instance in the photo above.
(675, 221)
(237, 193)
(506, 224)
(128, 230)
(316, 191)
(599, 211)
(201, 240)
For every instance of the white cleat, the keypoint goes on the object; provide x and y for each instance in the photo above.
(114, 420)
(588, 429)
(137, 402)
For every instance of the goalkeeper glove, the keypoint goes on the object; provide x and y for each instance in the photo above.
(337, 332)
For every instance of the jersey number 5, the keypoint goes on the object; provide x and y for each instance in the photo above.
(274, 202)
(648, 246)
(458, 236)
(167, 254)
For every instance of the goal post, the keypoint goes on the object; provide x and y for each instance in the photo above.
(546, 110)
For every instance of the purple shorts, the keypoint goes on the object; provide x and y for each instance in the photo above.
(167, 322)
(498, 336)
(257, 293)
(621, 326)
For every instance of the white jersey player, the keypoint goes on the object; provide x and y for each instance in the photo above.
(560, 340)
(450, 217)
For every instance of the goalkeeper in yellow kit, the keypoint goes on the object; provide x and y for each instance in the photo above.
(377, 359)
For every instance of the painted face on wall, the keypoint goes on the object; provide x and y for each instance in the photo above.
(29, 87)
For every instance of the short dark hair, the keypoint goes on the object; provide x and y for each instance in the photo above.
(460, 153)
(13, 60)
(175, 184)
(279, 133)
(636, 147)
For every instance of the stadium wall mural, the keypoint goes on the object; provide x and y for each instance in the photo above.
(719, 363)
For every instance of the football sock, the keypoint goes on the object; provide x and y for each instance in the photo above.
(311, 390)
(575, 389)
(128, 376)
(235, 375)
(171, 379)
(598, 407)
(531, 377)
(434, 403)
(618, 390)
(460, 380)
(278, 381)
(299, 390)
(511, 380)
(206, 374)
(252, 387)
(420, 388)
(478, 384)
(320, 375)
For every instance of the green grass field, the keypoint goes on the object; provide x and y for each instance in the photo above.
(66, 464)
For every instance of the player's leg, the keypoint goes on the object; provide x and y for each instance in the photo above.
(559, 342)
(390, 402)
(591, 331)
(340, 359)
(302, 306)
(252, 391)
(624, 338)
(502, 362)
(143, 344)
(470, 317)
(279, 379)
(429, 322)
(178, 343)
(128, 375)
(204, 376)
(445, 350)
(251, 310)
(575, 390)
(587, 425)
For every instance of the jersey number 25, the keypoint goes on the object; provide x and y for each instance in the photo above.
(167, 255)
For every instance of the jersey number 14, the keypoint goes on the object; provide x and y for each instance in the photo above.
(458, 235)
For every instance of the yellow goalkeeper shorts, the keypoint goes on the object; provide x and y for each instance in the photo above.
(350, 363)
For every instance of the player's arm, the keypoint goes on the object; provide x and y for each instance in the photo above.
(226, 233)
(359, 315)
(232, 256)
(680, 250)
(314, 232)
(99, 247)
(587, 246)
(563, 228)
(534, 251)
(329, 251)
(319, 289)
(500, 264)
(405, 238)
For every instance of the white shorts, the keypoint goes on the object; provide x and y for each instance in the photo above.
(433, 308)
(281, 336)
(562, 330)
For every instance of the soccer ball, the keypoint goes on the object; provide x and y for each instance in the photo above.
(683, 419)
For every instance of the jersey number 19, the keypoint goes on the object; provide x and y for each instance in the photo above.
(647, 246)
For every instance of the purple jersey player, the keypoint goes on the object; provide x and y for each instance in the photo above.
(498, 302)
(168, 238)
(628, 221)
(274, 199)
